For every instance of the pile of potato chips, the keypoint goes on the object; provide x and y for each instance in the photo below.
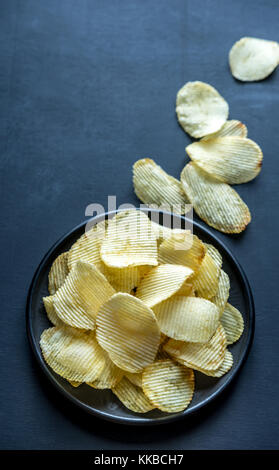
(137, 308)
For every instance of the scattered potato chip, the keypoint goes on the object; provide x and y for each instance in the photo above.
(79, 299)
(206, 280)
(185, 249)
(129, 241)
(187, 318)
(87, 248)
(253, 59)
(169, 386)
(162, 282)
(110, 376)
(132, 396)
(153, 185)
(200, 355)
(58, 273)
(223, 292)
(200, 109)
(232, 127)
(135, 378)
(50, 310)
(128, 330)
(216, 203)
(215, 254)
(232, 322)
(229, 159)
(73, 354)
(223, 369)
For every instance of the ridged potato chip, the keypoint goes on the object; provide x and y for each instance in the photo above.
(187, 290)
(187, 318)
(216, 203)
(87, 249)
(200, 109)
(253, 59)
(125, 279)
(215, 254)
(206, 280)
(162, 232)
(232, 322)
(200, 355)
(128, 330)
(58, 273)
(162, 282)
(50, 310)
(229, 159)
(232, 127)
(129, 241)
(153, 185)
(135, 378)
(132, 396)
(73, 354)
(223, 292)
(74, 384)
(223, 369)
(169, 386)
(110, 376)
(79, 299)
(185, 249)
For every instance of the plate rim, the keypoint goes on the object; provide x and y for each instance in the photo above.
(141, 420)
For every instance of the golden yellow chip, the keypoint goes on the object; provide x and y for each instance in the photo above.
(253, 59)
(125, 279)
(206, 280)
(223, 369)
(223, 292)
(50, 310)
(135, 378)
(79, 299)
(185, 249)
(153, 185)
(110, 376)
(200, 355)
(169, 386)
(73, 354)
(216, 203)
(58, 273)
(162, 282)
(129, 241)
(187, 290)
(162, 232)
(232, 127)
(187, 318)
(74, 384)
(215, 254)
(132, 396)
(200, 109)
(233, 323)
(229, 159)
(87, 248)
(128, 330)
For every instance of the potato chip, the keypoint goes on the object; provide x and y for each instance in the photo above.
(187, 318)
(135, 378)
(232, 127)
(169, 386)
(74, 384)
(132, 396)
(129, 241)
(110, 376)
(79, 299)
(58, 273)
(153, 185)
(200, 109)
(229, 159)
(50, 310)
(73, 354)
(162, 282)
(232, 322)
(125, 279)
(253, 59)
(216, 203)
(206, 280)
(185, 249)
(223, 369)
(215, 254)
(200, 355)
(87, 248)
(162, 232)
(128, 330)
(187, 290)
(223, 292)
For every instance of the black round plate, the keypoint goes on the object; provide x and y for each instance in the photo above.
(103, 403)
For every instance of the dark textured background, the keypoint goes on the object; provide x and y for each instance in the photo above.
(86, 88)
